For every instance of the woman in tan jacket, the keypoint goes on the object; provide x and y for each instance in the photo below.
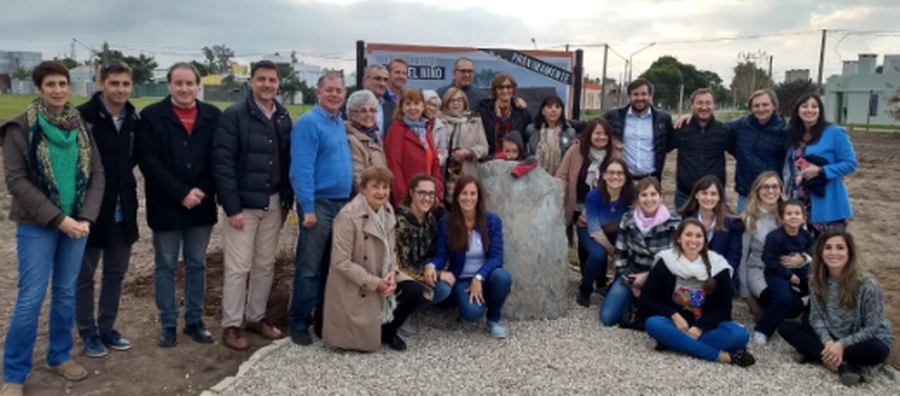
(580, 170)
(366, 298)
(366, 146)
(466, 141)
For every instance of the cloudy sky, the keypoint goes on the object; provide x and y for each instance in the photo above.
(325, 32)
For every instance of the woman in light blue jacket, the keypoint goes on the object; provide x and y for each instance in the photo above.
(819, 155)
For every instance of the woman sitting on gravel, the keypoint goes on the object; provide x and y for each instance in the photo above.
(706, 203)
(687, 298)
(366, 298)
(643, 232)
(847, 325)
(471, 239)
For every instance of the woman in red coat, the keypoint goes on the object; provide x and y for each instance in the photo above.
(409, 145)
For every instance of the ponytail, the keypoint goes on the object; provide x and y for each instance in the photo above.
(710, 285)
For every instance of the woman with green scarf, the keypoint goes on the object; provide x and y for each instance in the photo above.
(366, 297)
(55, 176)
(466, 141)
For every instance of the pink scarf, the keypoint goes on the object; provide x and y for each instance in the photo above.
(645, 224)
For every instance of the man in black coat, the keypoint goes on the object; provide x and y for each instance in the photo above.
(251, 165)
(642, 130)
(174, 150)
(376, 80)
(113, 122)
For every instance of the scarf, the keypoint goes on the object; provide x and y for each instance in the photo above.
(371, 132)
(389, 303)
(419, 128)
(683, 268)
(59, 148)
(645, 224)
(504, 122)
(456, 122)
(593, 172)
(548, 149)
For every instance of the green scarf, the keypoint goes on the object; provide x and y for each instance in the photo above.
(60, 152)
(390, 303)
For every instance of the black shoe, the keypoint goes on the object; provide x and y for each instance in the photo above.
(660, 347)
(850, 374)
(584, 299)
(167, 338)
(742, 358)
(199, 333)
(396, 343)
(301, 337)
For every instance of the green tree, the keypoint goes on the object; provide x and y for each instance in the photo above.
(289, 84)
(21, 74)
(748, 78)
(219, 58)
(668, 75)
(667, 80)
(68, 62)
(789, 92)
(142, 66)
(202, 68)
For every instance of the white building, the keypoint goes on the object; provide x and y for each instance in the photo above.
(796, 75)
(83, 83)
(860, 93)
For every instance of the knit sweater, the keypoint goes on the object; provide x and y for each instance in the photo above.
(321, 166)
(780, 243)
(866, 321)
(752, 248)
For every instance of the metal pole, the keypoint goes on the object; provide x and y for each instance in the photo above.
(869, 112)
(771, 61)
(680, 98)
(821, 61)
(603, 79)
(360, 63)
(579, 76)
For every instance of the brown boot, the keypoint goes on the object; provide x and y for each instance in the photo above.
(71, 371)
(235, 339)
(264, 329)
(11, 390)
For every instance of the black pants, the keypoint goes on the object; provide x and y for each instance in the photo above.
(410, 296)
(797, 307)
(115, 264)
(802, 337)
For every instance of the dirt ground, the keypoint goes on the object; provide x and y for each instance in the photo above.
(190, 367)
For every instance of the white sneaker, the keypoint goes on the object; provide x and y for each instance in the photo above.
(760, 338)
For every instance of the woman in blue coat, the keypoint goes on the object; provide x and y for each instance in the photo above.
(819, 155)
(470, 246)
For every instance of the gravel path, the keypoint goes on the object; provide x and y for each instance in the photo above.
(570, 355)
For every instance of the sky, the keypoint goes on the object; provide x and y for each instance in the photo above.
(700, 32)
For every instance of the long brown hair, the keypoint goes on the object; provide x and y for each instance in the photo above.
(584, 138)
(457, 233)
(627, 194)
(751, 214)
(852, 277)
(710, 283)
(721, 211)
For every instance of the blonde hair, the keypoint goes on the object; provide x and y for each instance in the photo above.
(752, 213)
(451, 92)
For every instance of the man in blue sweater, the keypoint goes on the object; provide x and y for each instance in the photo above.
(322, 176)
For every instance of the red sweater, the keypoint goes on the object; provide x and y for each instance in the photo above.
(406, 157)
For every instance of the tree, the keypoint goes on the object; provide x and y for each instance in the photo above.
(289, 84)
(21, 74)
(218, 58)
(668, 75)
(68, 62)
(748, 76)
(142, 66)
(202, 68)
(667, 80)
(789, 92)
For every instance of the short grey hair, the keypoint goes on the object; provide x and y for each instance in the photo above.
(328, 76)
(359, 98)
(430, 93)
(371, 68)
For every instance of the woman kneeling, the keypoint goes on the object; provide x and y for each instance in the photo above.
(366, 298)
(688, 300)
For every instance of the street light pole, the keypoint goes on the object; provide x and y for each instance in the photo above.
(631, 60)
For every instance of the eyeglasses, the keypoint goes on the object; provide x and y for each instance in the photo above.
(457, 100)
(425, 194)
(506, 86)
(114, 64)
(466, 71)
(770, 187)
(366, 111)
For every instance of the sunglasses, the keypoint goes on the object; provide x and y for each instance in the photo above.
(114, 64)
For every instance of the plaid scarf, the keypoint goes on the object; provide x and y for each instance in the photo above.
(39, 150)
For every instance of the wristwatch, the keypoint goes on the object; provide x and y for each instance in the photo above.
(479, 278)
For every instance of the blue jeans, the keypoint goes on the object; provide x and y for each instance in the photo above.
(681, 198)
(166, 245)
(442, 290)
(311, 263)
(741, 204)
(782, 301)
(42, 252)
(727, 336)
(596, 264)
(496, 289)
(618, 296)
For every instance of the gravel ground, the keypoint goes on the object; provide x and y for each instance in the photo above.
(570, 355)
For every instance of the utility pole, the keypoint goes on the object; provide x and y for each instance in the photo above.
(603, 79)
(771, 61)
(821, 61)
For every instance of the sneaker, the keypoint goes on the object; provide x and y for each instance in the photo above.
(168, 337)
(93, 347)
(850, 374)
(11, 390)
(760, 338)
(71, 371)
(395, 342)
(497, 331)
(584, 299)
(198, 332)
(114, 341)
(742, 358)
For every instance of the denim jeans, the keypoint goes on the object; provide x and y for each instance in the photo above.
(442, 290)
(495, 289)
(782, 302)
(742, 202)
(115, 264)
(596, 264)
(166, 245)
(681, 198)
(311, 264)
(44, 254)
(727, 336)
(618, 296)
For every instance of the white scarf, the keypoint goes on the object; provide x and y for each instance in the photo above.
(593, 171)
(683, 268)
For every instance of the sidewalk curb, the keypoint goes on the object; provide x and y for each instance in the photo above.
(226, 383)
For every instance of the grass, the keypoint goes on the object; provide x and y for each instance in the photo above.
(862, 127)
(13, 105)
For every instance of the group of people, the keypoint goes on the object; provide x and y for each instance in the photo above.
(393, 219)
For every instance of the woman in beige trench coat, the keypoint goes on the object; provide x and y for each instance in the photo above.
(366, 298)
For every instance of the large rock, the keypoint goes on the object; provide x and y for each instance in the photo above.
(534, 239)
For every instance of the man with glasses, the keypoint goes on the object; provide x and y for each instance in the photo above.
(376, 81)
(113, 122)
(463, 76)
(251, 161)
